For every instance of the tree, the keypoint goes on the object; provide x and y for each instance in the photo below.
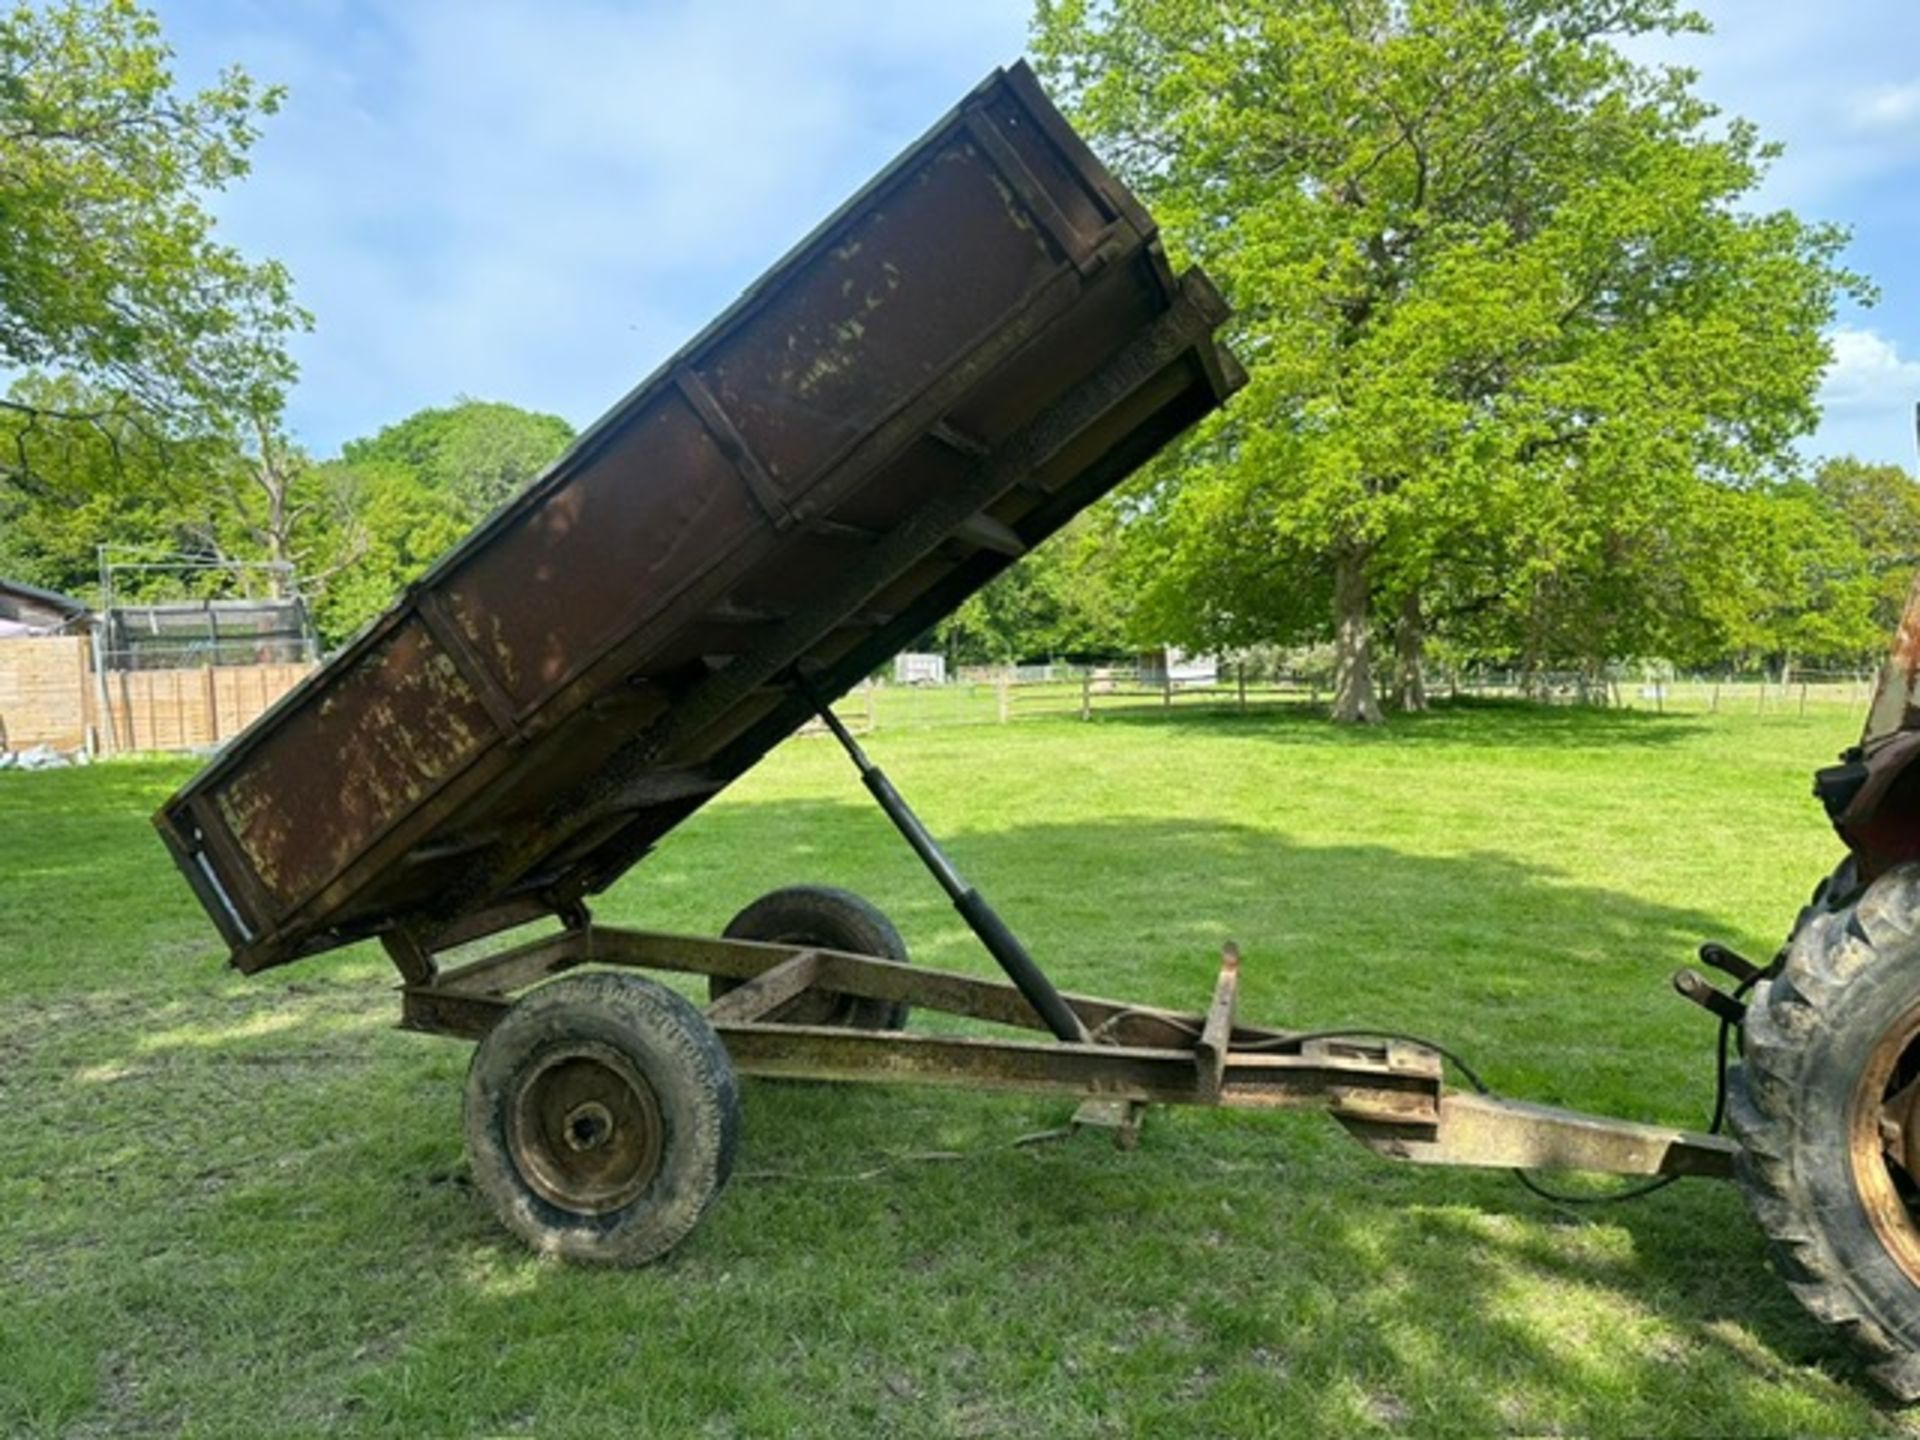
(1880, 506)
(91, 485)
(110, 269)
(382, 526)
(1064, 601)
(1491, 282)
(476, 453)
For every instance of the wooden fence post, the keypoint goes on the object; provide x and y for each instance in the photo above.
(873, 714)
(1086, 693)
(1166, 687)
(1004, 686)
(1242, 668)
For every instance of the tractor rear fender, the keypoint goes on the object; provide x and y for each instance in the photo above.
(1873, 794)
(1873, 798)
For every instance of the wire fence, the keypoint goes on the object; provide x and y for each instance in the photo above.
(990, 697)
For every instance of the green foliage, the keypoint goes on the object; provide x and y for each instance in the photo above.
(1880, 507)
(1504, 315)
(112, 272)
(396, 500)
(91, 485)
(476, 453)
(1065, 601)
(393, 525)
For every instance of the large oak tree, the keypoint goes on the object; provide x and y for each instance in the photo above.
(1502, 306)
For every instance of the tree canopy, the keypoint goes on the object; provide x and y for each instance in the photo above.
(114, 275)
(1505, 316)
(477, 452)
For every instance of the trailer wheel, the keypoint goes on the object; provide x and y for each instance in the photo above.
(833, 920)
(602, 1118)
(1826, 1106)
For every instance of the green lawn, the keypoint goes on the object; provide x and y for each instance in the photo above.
(234, 1206)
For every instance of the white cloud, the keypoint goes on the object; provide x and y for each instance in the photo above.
(1886, 106)
(1868, 396)
(1868, 371)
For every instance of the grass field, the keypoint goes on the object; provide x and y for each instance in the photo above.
(235, 1206)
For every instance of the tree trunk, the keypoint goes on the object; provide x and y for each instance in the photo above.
(1409, 644)
(1590, 683)
(1353, 699)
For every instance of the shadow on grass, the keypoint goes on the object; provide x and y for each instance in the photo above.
(1467, 722)
(225, 1212)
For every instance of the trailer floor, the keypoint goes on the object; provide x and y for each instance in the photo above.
(240, 1206)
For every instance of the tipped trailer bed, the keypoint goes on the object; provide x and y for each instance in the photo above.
(981, 342)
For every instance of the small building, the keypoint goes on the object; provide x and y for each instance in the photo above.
(29, 610)
(910, 668)
(1167, 664)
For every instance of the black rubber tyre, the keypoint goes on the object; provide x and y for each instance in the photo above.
(1829, 1039)
(832, 920)
(602, 1117)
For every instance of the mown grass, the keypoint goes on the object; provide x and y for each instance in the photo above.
(234, 1206)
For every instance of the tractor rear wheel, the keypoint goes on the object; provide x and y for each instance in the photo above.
(1826, 1106)
(829, 919)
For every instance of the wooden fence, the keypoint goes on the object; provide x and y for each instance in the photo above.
(50, 695)
(986, 697)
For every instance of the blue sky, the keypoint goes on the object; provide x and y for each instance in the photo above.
(539, 202)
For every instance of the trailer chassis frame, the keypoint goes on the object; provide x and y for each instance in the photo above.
(1388, 1093)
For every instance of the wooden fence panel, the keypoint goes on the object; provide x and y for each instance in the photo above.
(49, 695)
(189, 709)
(44, 683)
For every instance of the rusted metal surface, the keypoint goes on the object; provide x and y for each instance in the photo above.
(861, 976)
(975, 347)
(584, 1128)
(1883, 1140)
(1512, 1135)
(1873, 794)
(1216, 1031)
(1896, 699)
(1389, 1093)
(764, 996)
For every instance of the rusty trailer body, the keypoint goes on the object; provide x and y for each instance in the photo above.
(980, 343)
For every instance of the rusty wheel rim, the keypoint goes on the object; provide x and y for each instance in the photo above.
(585, 1130)
(1883, 1141)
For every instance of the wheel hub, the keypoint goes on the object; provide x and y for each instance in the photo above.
(1884, 1140)
(584, 1128)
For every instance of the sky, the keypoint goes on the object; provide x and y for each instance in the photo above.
(540, 202)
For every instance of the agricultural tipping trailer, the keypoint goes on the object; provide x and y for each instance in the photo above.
(981, 342)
